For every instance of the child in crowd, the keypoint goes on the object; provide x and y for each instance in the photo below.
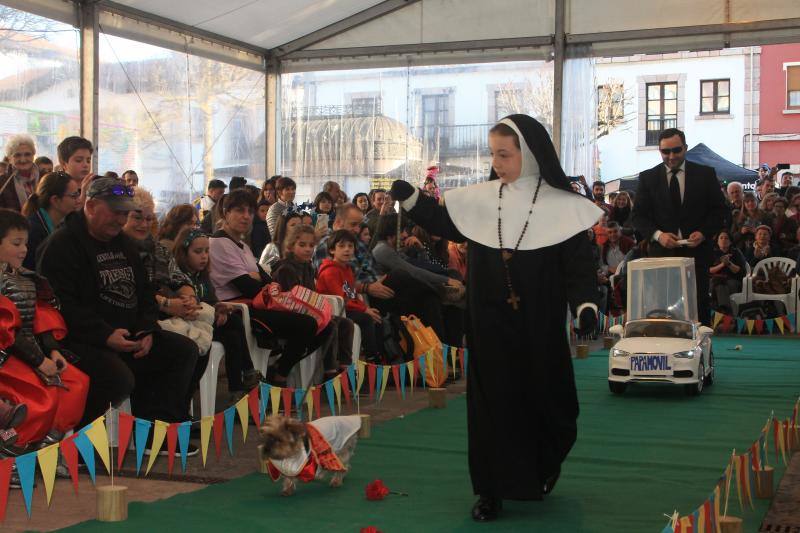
(36, 370)
(323, 205)
(364, 234)
(295, 269)
(192, 256)
(273, 252)
(336, 277)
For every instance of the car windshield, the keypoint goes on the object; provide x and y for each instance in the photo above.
(659, 328)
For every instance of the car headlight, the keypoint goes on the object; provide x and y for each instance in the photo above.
(619, 353)
(688, 354)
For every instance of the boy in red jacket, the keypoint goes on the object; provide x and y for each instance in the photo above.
(336, 277)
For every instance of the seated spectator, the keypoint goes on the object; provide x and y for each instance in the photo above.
(236, 274)
(212, 222)
(268, 190)
(364, 235)
(621, 213)
(334, 190)
(601, 230)
(19, 180)
(111, 312)
(111, 174)
(426, 251)
(734, 195)
(37, 372)
(794, 208)
(787, 178)
(599, 196)
(727, 271)
(285, 189)
(602, 276)
(429, 186)
(44, 164)
(177, 219)
(206, 204)
(761, 248)
(336, 278)
(75, 158)
(458, 259)
(323, 205)
(237, 182)
(361, 201)
(295, 269)
(746, 221)
(272, 252)
(614, 249)
(131, 178)
(377, 199)
(784, 229)
(794, 251)
(767, 202)
(259, 234)
(56, 196)
(192, 256)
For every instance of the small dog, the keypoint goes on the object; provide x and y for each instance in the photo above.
(307, 450)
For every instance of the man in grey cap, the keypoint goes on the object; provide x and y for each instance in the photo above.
(111, 311)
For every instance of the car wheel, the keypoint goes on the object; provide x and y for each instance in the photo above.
(694, 389)
(616, 387)
(711, 369)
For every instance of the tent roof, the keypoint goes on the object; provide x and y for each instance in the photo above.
(726, 170)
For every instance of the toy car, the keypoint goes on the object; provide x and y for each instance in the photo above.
(662, 340)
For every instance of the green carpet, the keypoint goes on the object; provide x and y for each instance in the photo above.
(638, 456)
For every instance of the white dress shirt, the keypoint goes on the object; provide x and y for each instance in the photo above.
(681, 175)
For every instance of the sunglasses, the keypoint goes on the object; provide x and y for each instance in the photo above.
(121, 190)
(667, 151)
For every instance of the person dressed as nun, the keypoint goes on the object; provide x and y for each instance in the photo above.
(529, 257)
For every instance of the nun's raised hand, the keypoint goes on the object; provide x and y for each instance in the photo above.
(401, 190)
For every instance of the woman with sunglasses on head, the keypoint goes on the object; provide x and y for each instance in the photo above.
(56, 196)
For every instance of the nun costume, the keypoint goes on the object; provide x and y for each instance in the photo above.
(528, 258)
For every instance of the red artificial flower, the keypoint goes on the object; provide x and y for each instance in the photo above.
(370, 529)
(377, 490)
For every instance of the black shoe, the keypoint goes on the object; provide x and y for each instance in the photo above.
(550, 483)
(486, 509)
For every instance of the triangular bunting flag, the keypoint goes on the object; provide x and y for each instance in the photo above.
(740, 324)
(750, 324)
(252, 404)
(228, 415)
(317, 394)
(696, 521)
(242, 408)
(172, 445)
(265, 395)
(337, 392)
(780, 323)
(159, 432)
(411, 375)
(70, 454)
(422, 371)
(351, 378)
(98, 436)
(275, 399)
(184, 430)
(26, 466)
(383, 377)
(770, 325)
(790, 321)
(453, 352)
(362, 369)
(219, 427)
(717, 319)
(141, 433)
(329, 394)
(400, 370)
(299, 395)
(288, 396)
(125, 428)
(346, 388)
(759, 326)
(48, 459)
(5, 480)
(206, 424)
(445, 357)
(310, 403)
(371, 378)
(86, 450)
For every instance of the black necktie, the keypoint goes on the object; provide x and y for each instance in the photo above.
(675, 190)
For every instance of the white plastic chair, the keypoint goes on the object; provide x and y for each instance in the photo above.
(259, 356)
(787, 266)
(208, 383)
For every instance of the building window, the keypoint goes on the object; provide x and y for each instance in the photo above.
(662, 109)
(715, 96)
(366, 106)
(793, 87)
(435, 118)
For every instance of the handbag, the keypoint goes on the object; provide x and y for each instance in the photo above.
(426, 343)
(299, 299)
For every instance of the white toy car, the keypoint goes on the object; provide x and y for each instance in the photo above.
(662, 340)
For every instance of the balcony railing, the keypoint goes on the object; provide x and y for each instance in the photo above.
(463, 139)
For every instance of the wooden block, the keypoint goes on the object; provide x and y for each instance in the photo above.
(112, 503)
(365, 431)
(608, 342)
(730, 524)
(582, 351)
(765, 484)
(262, 465)
(437, 398)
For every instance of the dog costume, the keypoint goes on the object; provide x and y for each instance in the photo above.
(326, 436)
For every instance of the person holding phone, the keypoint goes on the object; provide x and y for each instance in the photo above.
(111, 311)
(727, 271)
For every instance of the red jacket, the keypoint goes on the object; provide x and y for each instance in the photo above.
(338, 280)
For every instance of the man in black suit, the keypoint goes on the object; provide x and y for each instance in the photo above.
(680, 207)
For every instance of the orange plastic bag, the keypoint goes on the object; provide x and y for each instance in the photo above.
(426, 343)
